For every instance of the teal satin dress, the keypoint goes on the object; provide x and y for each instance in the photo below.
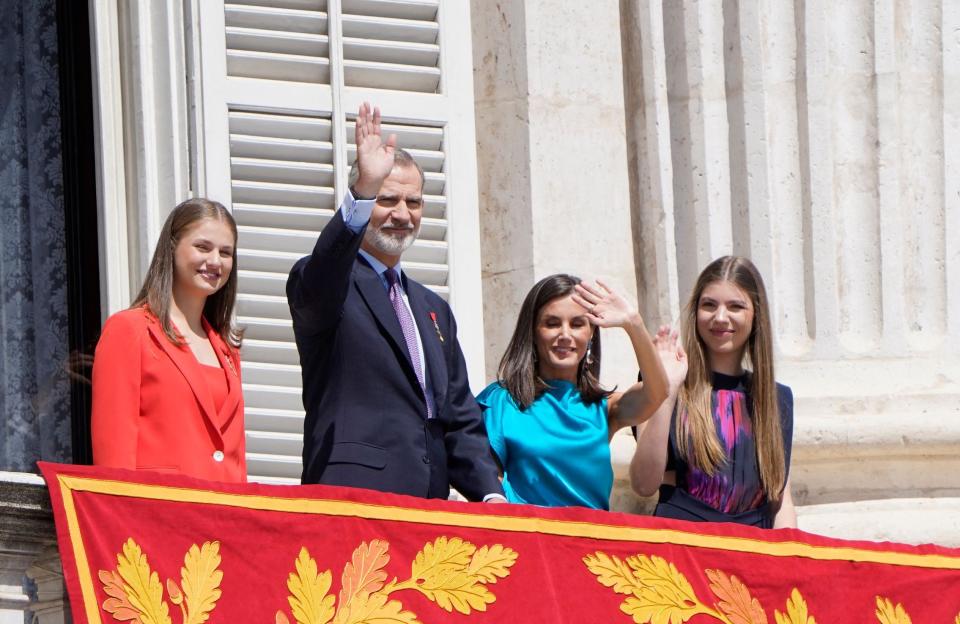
(555, 453)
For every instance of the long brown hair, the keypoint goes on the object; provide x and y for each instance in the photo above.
(519, 372)
(696, 434)
(157, 289)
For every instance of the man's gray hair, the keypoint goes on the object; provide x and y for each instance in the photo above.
(401, 158)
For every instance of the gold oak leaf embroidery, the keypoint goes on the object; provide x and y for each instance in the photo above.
(200, 579)
(377, 609)
(735, 601)
(117, 604)
(887, 613)
(176, 597)
(311, 604)
(796, 611)
(611, 572)
(449, 571)
(309, 600)
(136, 594)
(665, 594)
(458, 591)
(442, 557)
(491, 562)
(440, 572)
(363, 574)
(660, 593)
(141, 586)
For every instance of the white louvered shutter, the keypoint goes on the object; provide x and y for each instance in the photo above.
(426, 261)
(391, 45)
(282, 80)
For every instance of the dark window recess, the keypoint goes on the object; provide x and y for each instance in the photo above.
(80, 208)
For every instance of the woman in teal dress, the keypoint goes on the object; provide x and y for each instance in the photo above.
(548, 418)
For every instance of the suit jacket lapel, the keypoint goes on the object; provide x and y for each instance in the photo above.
(189, 367)
(378, 300)
(228, 411)
(432, 349)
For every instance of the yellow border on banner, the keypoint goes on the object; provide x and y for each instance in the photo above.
(79, 553)
(547, 526)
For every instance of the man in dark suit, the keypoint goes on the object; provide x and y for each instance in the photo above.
(384, 380)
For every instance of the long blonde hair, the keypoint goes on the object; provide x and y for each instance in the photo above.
(695, 431)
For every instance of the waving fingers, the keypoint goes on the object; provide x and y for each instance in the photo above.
(607, 288)
(597, 291)
(586, 304)
(375, 122)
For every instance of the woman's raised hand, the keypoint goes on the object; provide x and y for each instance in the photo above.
(605, 307)
(672, 355)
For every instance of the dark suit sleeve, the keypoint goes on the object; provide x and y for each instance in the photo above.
(318, 283)
(470, 463)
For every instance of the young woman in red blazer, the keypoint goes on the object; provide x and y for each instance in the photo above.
(166, 375)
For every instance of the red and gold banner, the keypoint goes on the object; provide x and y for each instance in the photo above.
(159, 549)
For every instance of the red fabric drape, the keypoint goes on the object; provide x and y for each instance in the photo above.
(167, 549)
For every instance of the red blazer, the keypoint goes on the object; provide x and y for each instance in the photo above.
(152, 409)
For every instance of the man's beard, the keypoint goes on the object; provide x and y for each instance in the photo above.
(389, 244)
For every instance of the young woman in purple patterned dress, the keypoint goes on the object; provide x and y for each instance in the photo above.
(719, 447)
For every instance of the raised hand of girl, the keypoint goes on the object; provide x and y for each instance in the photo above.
(672, 356)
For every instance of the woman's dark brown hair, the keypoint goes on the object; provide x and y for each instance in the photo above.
(157, 289)
(519, 370)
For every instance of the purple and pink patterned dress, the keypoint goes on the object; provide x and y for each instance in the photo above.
(734, 493)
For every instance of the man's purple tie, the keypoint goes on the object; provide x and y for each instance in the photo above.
(408, 326)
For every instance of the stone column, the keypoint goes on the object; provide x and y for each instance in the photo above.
(832, 131)
(31, 581)
(816, 137)
(144, 112)
(552, 158)
(503, 167)
(50, 602)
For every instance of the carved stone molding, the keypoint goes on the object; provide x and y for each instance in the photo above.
(31, 579)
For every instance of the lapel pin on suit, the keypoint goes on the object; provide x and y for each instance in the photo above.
(433, 317)
(228, 357)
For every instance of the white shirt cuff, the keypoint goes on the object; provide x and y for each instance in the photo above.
(490, 497)
(356, 212)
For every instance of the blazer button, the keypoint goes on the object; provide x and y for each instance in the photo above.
(218, 456)
(426, 459)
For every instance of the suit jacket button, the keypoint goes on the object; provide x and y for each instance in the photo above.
(218, 456)
(426, 459)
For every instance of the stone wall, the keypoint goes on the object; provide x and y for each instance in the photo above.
(642, 139)
(31, 579)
